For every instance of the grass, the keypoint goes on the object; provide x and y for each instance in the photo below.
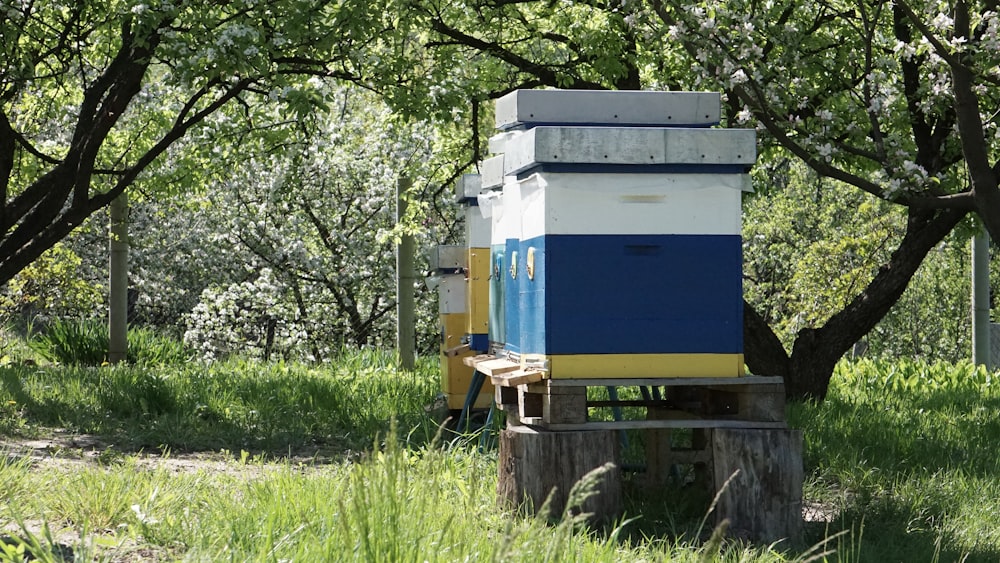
(254, 406)
(907, 450)
(901, 456)
(85, 342)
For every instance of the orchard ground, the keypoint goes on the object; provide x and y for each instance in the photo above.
(251, 461)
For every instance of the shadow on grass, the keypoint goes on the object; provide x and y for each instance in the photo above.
(887, 533)
(269, 411)
(916, 469)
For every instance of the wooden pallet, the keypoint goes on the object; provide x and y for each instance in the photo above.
(561, 404)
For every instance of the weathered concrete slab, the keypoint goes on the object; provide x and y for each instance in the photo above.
(468, 186)
(527, 108)
(630, 146)
(448, 257)
(492, 172)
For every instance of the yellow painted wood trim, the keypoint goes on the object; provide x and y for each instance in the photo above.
(594, 366)
(478, 292)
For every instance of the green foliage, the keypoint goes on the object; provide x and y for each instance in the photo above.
(794, 229)
(50, 287)
(84, 342)
(791, 233)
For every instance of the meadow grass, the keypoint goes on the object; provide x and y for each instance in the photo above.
(900, 458)
(903, 455)
(234, 404)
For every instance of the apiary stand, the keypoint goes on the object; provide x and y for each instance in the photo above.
(616, 260)
(742, 449)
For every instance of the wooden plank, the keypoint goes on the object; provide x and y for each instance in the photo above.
(529, 405)
(518, 377)
(631, 424)
(497, 366)
(667, 381)
(567, 405)
(505, 398)
(471, 361)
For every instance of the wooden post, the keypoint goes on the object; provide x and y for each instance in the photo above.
(118, 281)
(405, 276)
(535, 464)
(758, 480)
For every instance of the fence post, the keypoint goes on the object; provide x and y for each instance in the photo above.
(981, 300)
(405, 276)
(118, 281)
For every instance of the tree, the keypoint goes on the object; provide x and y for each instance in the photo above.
(316, 220)
(883, 97)
(793, 227)
(92, 94)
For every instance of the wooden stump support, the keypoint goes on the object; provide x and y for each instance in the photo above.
(758, 478)
(535, 464)
(741, 446)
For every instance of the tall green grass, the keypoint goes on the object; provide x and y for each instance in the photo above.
(395, 504)
(84, 342)
(907, 450)
(235, 404)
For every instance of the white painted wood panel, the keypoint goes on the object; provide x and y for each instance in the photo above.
(700, 204)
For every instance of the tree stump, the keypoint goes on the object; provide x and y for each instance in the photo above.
(535, 464)
(763, 497)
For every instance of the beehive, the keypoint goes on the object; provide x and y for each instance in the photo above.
(477, 263)
(628, 259)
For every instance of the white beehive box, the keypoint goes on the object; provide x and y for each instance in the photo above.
(452, 294)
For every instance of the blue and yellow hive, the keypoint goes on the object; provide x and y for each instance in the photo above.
(462, 276)
(616, 230)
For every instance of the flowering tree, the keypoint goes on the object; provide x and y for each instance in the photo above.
(315, 225)
(93, 94)
(893, 99)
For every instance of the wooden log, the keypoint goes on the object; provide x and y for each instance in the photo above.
(535, 465)
(758, 478)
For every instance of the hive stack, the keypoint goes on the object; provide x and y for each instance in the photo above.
(462, 275)
(616, 229)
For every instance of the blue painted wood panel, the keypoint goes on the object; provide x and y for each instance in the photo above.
(498, 265)
(630, 294)
(512, 307)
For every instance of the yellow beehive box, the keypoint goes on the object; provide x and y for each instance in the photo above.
(456, 378)
(478, 294)
(452, 330)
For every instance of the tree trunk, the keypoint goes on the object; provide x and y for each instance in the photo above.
(816, 351)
